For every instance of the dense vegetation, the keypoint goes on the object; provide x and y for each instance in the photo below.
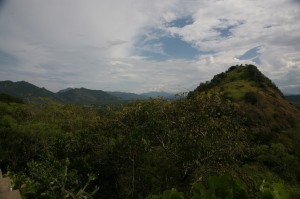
(209, 145)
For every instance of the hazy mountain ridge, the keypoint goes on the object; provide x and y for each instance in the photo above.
(28, 91)
(25, 90)
(86, 96)
(159, 94)
(295, 99)
(238, 83)
(127, 96)
(65, 90)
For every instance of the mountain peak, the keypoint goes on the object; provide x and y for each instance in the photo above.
(237, 81)
(65, 90)
(259, 98)
(25, 90)
(86, 96)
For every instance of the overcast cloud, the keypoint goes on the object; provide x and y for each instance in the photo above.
(142, 45)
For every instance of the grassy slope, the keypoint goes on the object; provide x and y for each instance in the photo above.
(270, 115)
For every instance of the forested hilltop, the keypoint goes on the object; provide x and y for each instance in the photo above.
(233, 137)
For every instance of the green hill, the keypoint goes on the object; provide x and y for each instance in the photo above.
(25, 90)
(269, 114)
(87, 97)
(237, 81)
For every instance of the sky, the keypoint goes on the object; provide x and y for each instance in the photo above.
(141, 45)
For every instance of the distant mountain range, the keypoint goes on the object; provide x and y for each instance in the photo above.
(133, 96)
(127, 96)
(154, 94)
(295, 99)
(86, 96)
(29, 92)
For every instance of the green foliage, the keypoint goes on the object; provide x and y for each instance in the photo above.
(10, 99)
(274, 191)
(168, 194)
(270, 118)
(219, 187)
(215, 187)
(226, 186)
(280, 161)
(183, 140)
(251, 97)
(31, 132)
(52, 179)
(157, 146)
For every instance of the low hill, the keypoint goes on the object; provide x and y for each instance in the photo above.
(155, 94)
(86, 96)
(269, 114)
(143, 96)
(25, 90)
(64, 90)
(126, 96)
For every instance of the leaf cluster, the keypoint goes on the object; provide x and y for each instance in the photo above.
(143, 148)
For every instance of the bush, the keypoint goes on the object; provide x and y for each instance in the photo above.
(251, 97)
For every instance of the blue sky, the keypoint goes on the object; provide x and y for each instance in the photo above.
(172, 47)
(141, 45)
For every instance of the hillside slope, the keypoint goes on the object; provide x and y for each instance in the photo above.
(269, 114)
(25, 90)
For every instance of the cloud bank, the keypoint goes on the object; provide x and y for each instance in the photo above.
(139, 45)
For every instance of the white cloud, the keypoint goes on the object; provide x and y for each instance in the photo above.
(97, 44)
(270, 24)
